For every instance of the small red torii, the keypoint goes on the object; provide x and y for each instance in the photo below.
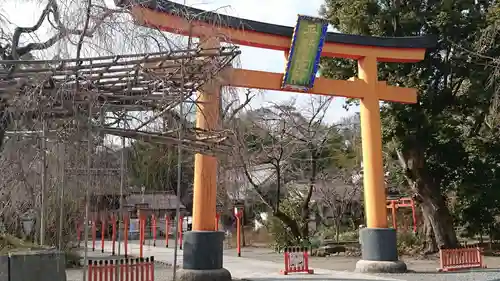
(404, 202)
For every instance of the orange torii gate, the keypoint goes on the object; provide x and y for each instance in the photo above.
(404, 202)
(203, 246)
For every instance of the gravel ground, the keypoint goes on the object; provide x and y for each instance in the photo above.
(483, 275)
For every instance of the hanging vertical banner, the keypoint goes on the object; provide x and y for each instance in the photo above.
(305, 53)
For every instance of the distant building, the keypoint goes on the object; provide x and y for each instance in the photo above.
(239, 188)
(160, 203)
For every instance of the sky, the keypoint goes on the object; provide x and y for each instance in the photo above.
(283, 12)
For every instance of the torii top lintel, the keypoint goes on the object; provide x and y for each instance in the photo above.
(177, 18)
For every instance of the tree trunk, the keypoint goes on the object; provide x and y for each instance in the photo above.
(438, 217)
(337, 230)
(289, 222)
(5, 121)
(429, 243)
(305, 204)
(438, 224)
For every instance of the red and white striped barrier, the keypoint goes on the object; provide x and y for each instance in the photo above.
(296, 261)
(462, 258)
(122, 270)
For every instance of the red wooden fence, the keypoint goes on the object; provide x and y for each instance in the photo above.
(121, 270)
(463, 258)
(296, 260)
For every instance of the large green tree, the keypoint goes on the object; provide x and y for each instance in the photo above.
(435, 138)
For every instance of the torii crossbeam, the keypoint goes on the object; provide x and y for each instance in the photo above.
(378, 242)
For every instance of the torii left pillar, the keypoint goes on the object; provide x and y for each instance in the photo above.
(203, 246)
(378, 242)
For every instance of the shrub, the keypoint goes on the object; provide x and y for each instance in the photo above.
(281, 235)
(73, 259)
(349, 236)
(409, 243)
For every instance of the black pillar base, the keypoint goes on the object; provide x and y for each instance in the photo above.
(203, 257)
(221, 274)
(379, 251)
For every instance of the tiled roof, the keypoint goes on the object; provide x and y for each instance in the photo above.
(156, 201)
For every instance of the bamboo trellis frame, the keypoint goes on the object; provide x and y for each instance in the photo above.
(136, 82)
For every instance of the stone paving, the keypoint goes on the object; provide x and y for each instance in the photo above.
(246, 268)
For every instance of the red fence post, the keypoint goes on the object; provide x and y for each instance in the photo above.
(414, 216)
(130, 270)
(217, 217)
(103, 229)
(287, 262)
(94, 233)
(105, 269)
(166, 230)
(113, 234)
(393, 211)
(121, 270)
(238, 213)
(141, 235)
(95, 271)
(127, 269)
(144, 218)
(480, 257)
(152, 269)
(100, 270)
(136, 268)
(154, 229)
(142, 268)
(125, 235)
(238, 235)
(441, 260)
(111, 271)
(145, 262)
(90, 271)
(179, 229)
